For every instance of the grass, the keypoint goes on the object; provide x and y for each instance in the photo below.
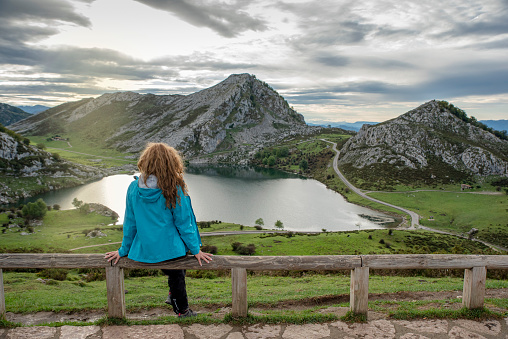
(347, 243)
(93, 156)
(25, 294)
(61, 230)
(457, 212)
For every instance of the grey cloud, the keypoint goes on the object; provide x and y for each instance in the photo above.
(36, 11)
(332, 60)
(200, 61)
(225, 19)
(32, 20)
(51, 90)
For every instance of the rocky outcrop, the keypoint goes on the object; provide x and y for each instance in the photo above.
(238, 115)
(424, 139)
(41, 171)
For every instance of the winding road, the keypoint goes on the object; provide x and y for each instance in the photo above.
(415, 218)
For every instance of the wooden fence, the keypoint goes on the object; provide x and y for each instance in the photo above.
(475, 267)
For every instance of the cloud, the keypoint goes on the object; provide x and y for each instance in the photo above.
(32, 20)
(228, 20)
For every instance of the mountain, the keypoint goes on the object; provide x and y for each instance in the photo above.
(239, 114)
(500, 125)
(10, 114)
(33, 109)
(348, 126)
(428, 144)
(26, 170)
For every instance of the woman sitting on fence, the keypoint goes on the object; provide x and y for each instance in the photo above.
(159, 222)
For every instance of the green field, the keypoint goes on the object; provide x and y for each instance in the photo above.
(211, 290)
(25, 294)
(458, 212)
(91, 155)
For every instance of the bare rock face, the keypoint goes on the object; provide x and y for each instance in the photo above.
(429, 139)
(239, 114)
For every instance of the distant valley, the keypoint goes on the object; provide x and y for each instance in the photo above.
(500, 125)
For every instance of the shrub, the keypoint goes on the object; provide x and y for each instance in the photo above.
(202, 274)
(92, 274)
(140, 272)
(35, 210)
(382, 241)
(250, 249)
(53, 273)
(209, 249)
(235, 246)
(370, 237)
(259, 228)
(56, 207)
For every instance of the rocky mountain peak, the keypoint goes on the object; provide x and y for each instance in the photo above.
(430, 141)
(239, 114)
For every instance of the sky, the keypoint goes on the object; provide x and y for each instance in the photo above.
(332, 60)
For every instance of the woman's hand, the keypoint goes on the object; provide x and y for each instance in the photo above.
(207, 257)
(113, 256)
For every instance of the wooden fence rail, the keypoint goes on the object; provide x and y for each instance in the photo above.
(475, 267)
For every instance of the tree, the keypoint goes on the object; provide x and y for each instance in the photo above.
(77, 203)
(271, 160)
(260, 222)
(35, 210)
(279, 225)
(56, 207)
(304, 164)
(41, 146)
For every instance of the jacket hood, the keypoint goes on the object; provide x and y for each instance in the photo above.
(149, 193)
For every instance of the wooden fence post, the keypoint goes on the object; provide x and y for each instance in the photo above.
(239, 286)
(2, 295)
(359, 291)
(474, 287)
(115, 291)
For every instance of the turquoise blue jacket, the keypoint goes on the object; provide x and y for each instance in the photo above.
(154, 233)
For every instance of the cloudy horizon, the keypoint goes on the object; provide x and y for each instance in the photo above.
(331, 60)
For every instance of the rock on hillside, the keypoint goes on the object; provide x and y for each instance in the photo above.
(428, 142)
(10, 114)
(240, 112)
(20, 160)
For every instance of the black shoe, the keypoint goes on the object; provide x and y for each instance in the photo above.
(187, 314)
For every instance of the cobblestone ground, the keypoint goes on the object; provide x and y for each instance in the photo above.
(376, 329)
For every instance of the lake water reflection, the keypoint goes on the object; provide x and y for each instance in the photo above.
(241, 195)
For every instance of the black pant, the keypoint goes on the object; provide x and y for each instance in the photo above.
(177, 290)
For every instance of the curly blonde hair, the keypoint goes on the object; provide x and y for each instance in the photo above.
(166, 164)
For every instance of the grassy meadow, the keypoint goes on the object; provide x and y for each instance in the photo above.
(83, 152)
(457, 212)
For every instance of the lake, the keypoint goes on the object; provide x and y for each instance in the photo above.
(242, 195)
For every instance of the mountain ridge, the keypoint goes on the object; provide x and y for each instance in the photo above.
(239, 114)
(10, 114)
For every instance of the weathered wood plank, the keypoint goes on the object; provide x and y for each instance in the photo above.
(434, 261)
(474, 287)
(239, 295)
(315, 262)
(262, 263)
(2, 295)
(359, 290)
(115, 291)
(51, 260)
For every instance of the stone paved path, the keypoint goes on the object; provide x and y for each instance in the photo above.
(382, 329)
